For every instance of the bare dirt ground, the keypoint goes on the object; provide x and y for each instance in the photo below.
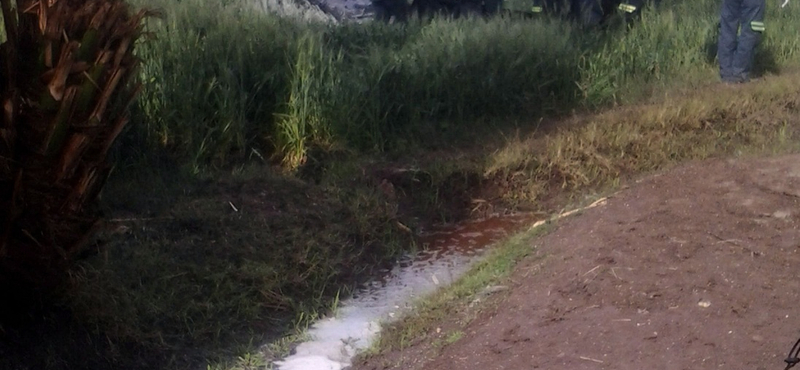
(696, 268)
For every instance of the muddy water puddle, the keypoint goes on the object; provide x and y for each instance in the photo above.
(445, 254)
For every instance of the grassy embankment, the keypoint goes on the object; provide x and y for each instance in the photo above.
(591, 155)
(214, 252)
(597, 155)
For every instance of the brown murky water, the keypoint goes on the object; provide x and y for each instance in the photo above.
(471, 237)
(447, 252)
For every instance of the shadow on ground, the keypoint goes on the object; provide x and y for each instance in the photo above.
(188, 271)
(53, 338)
(192, 270)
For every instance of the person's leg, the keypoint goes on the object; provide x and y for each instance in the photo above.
(590, 12)
(557, 7)
(575, 10)
(752, 20)
(492, 7)
(728, 30)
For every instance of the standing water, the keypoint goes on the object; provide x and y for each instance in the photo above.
(447, 253)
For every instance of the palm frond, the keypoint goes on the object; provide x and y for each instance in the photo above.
(67, 81)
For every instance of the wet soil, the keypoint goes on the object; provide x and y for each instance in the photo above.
(695, 268)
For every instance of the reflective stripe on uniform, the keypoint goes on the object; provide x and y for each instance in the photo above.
(757, 26)
(536, 9)
(627, 8)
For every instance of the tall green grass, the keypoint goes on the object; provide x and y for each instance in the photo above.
(451, 71)
(676, 46)
(225, 82)
(312, 79)
(213, 77)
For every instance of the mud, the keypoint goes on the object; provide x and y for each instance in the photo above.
(692, 269)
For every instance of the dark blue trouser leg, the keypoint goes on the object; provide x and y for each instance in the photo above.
(751, 19)
(589, 12)
(557, 7)
(736, 49)
(728, 40)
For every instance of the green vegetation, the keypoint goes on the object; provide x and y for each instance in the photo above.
(283, 89)
(248, 194)
(237, 261)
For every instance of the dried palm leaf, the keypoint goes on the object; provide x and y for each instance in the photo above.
(67, 80)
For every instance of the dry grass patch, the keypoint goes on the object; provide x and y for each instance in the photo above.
(600, 150)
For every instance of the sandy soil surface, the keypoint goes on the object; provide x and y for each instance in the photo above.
(696, 268)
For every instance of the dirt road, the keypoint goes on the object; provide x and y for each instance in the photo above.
(696, 268)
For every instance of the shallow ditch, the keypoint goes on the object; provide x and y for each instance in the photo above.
(446, 253)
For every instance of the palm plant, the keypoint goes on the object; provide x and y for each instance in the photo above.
(65, 85)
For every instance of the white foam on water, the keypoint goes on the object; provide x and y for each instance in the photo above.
(336, 340)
